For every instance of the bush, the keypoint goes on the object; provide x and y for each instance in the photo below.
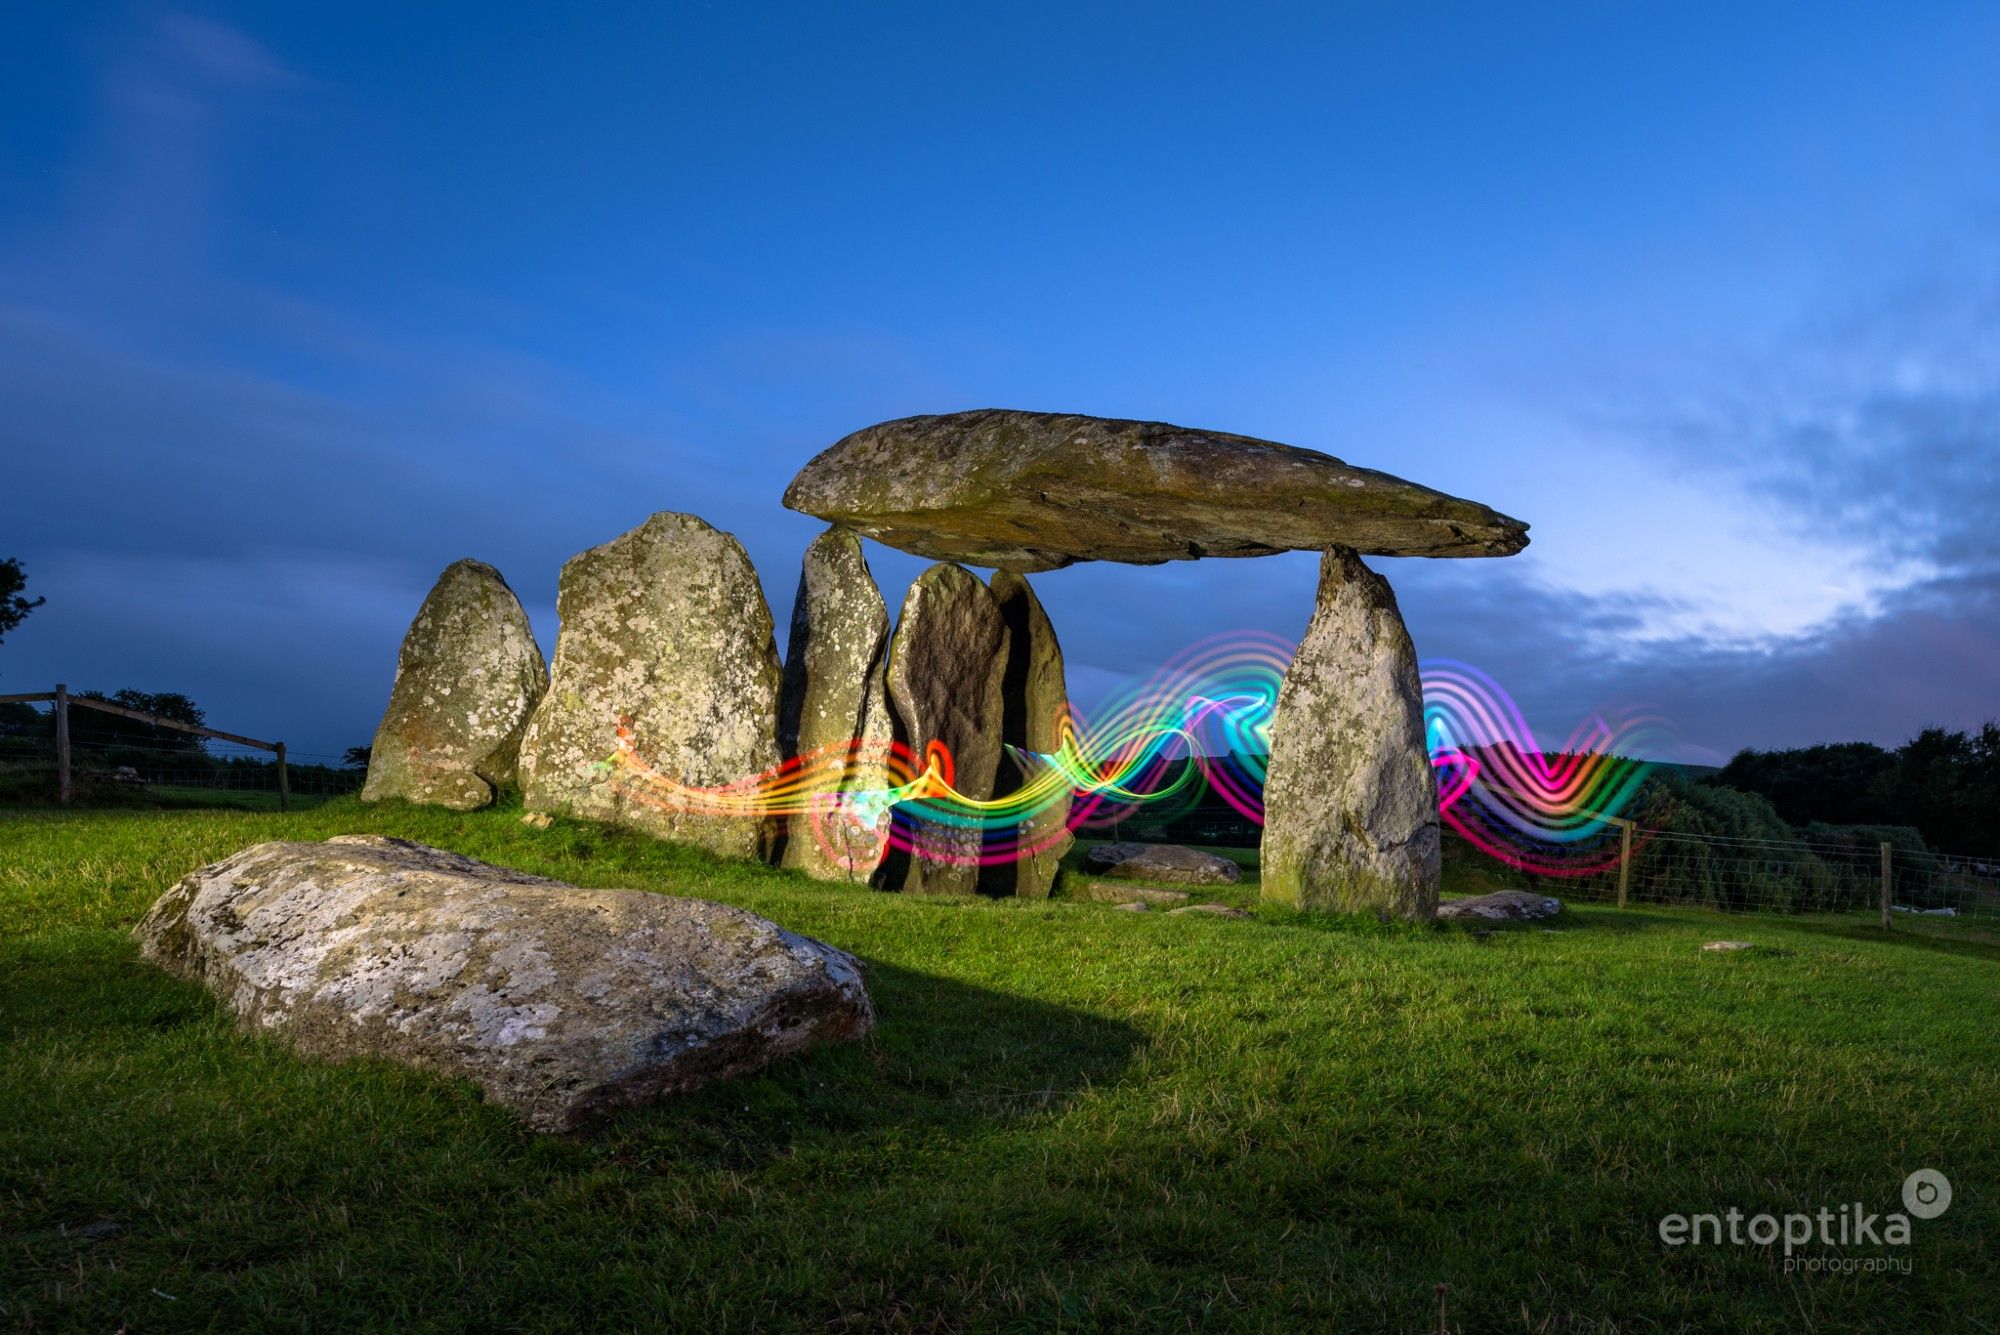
(1725, 849)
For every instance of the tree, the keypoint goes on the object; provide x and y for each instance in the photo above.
(112, 730)
(1947, 784)
(357, 757)
(1838, 783)
(1942, 783)
(14, 605)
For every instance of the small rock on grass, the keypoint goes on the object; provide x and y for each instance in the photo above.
(1173, 863)
(1213, 910)
(1730, 945)
(1500, 906)
(1133, 906)
(541, 820)
(1106, 892)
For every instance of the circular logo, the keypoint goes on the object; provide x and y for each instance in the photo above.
(1926, 1193)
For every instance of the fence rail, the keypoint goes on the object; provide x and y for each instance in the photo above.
(84, 741)
(1813, 873)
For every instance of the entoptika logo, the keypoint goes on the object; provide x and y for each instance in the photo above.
(1926, 1195)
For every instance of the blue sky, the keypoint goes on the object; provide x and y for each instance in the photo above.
(300, 303)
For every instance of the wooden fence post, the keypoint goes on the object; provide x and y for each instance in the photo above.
(1624, 860)
(62, 736)
(1888, 897)
(62, 743)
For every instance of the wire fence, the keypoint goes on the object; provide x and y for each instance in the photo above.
(117, 761)
(1825, 870)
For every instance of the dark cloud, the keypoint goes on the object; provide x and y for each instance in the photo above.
(1931, 657)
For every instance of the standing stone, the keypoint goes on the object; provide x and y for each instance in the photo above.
(467, 678)
(1034, 699)
(1350, 805)
(834, 709)
(666, 627)
(945, 669)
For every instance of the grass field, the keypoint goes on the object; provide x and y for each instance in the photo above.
(38, 789)
(1069, 1118)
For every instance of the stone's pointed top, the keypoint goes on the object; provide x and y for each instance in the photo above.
(1029, 491)
(467, 677)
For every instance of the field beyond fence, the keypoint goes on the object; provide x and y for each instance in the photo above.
(64, 748)
(1671, 861)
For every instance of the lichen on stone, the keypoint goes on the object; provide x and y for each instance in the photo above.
(1350, 800)
(666, 628)
(1027, 491)
(467, 677)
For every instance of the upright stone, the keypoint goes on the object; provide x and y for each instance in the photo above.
(665, 627)
(467, 678)
(1034, 700)
(833, 712)
(945, 669)
(1350, 804)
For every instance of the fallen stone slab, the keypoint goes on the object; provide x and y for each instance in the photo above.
(1213, 910)
(1174, 863)
(558, 1002)
(1026, 491)
(1133, 906)
(1500, 906)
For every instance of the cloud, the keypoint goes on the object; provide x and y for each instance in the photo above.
(243, 492)
(1879, 423)
(1930, 657)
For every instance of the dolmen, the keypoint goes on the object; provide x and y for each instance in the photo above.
(666, 634)
(1350, 802)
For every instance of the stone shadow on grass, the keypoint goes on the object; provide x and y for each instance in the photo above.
(946, 1058)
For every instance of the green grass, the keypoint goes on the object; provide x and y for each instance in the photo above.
(1069, 1118)
(39, 789)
